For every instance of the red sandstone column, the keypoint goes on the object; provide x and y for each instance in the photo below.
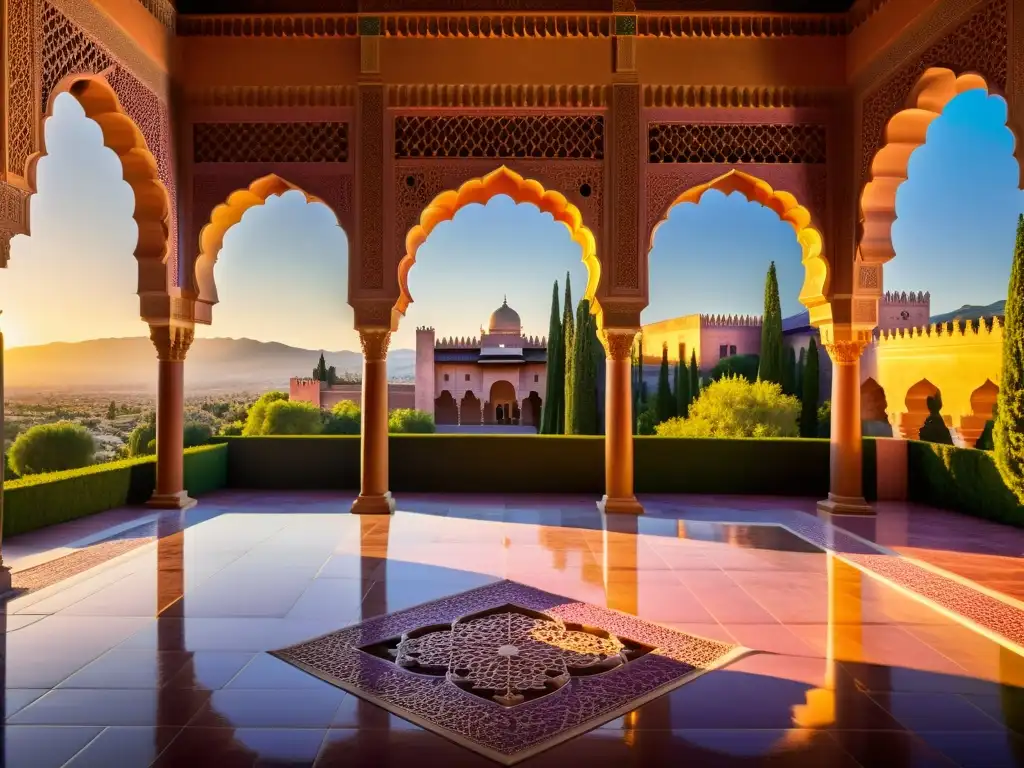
(374, 496)
(172, 343)
(618, 440)
(846, 493)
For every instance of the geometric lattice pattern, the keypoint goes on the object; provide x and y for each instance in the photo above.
(67, 50)
(270, 142)
(507, 670)
(735, 143)
(508, 136)
(20, 89)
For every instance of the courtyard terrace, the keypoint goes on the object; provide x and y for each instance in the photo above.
(142, 638)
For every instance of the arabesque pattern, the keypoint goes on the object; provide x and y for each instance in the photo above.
(566, 137)
(483, 725)
(325, 142)
(979, 45)
(21, 59)
(67, 50)
(736, 143)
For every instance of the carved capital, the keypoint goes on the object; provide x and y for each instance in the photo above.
(618, 342)
(375, 344)
(845, 352)
(171, 341)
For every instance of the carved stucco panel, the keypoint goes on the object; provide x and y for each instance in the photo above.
(418, 182)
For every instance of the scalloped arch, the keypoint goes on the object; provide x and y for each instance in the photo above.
(139, 168)
(224, 217)
(905, 132)
(785, 205)
(501, 181)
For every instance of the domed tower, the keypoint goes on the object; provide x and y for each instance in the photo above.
(505, 321)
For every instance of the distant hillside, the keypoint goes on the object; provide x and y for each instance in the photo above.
(129, 365)
(972, 312)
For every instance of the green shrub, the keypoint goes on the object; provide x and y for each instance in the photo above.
(735, 407)
(985, 442)
(197, 434)
(233, 428)
(52, 448)
(962, 479)
(141, 437)
(737, 365)
(46, 499)
(344, 418)
(254, 423)
(646, 422)
(825, 419)
(287, 417)
(410, 421)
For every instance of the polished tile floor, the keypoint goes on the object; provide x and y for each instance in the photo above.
(157, 654)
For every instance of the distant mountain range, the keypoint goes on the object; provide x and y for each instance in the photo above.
(213, 365)
(972, 312)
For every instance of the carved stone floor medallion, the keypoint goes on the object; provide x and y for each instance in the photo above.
(507, 670)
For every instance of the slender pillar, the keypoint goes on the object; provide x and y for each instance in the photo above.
(374, 496)
(618, 440)
(172, 343)
(846, 493)
(5, 572)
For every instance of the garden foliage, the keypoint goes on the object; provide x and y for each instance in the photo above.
(53, 447)
(1008, 431)
(735, 407)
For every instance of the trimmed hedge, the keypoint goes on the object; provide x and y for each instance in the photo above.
(961, 479)
(540, 464)
(40, 500)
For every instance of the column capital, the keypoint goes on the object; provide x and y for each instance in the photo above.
(618, 342)
(374, 342)
(172, 342)
(845, 352)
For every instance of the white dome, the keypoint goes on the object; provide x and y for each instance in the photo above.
(505, 320)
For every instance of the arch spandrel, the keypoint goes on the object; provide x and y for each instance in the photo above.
(140, 171)
(501, 181)
(816, 286)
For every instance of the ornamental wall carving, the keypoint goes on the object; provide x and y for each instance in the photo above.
(735, 143)
(564, 137)
(265, 142)
(979, 44)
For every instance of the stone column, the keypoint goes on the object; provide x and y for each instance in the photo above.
(846, 494)
(5, 572)
(374, 496)
(172, 343)
(618, 440)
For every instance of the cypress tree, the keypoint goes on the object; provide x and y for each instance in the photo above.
(568, 340)
(799, 378)
(771, 366)
(694, 377)
(789, 372)
(634, 382)
(665, 403)
(583, 419)
(320, 372)
(555, 388)
(809, 396)
(1008, 430)
(682, 390)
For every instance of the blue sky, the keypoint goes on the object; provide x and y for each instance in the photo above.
(282, 275)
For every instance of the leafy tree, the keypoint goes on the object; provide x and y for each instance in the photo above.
(112, 411)
(408, 420)
(647, 422)
(568, 339)
(636, 359)
(232, 428)
(332, 376)
(291, 417)
(52, 448)
(141, 436)
(345, 418)
(583, 419)
(789, 371)
(258, 413)
(555, 387)
(799, 378)
(1008, 432)
(809, 394)
(735, 407)
(737, 365)
(694, 376)
(664, 402)
(320, 372)
(682, 390)
(771, 365)
(934, 429)
(825, 419)
(197, 433)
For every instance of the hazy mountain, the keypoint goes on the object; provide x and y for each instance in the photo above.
(129, 365)
(972, 312)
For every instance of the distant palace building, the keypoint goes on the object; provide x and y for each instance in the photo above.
(498, 379)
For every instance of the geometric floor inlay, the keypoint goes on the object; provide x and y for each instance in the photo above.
(507, 670)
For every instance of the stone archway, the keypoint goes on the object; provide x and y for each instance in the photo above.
(814, 292)
(445, 409)
(531, 410)
(224, 217)
(502, 402)
(501, 181)
(469, 410)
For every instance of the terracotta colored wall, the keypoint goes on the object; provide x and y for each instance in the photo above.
(747, 340)
(305, 391)
(399, 395)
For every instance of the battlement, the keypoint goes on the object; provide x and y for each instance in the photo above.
(729, 321)
(909, 299)
(988, 331)
(465, 342)
(424, 329)
(306, 381)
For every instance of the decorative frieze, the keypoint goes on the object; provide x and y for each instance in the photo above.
(273, 96)
(270, 142)
(732, 96)
(735, 143)
(563, 137)
(498, 96)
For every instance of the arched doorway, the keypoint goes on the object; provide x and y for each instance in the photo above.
(503, 402)
(470, 413)
(445, 409)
